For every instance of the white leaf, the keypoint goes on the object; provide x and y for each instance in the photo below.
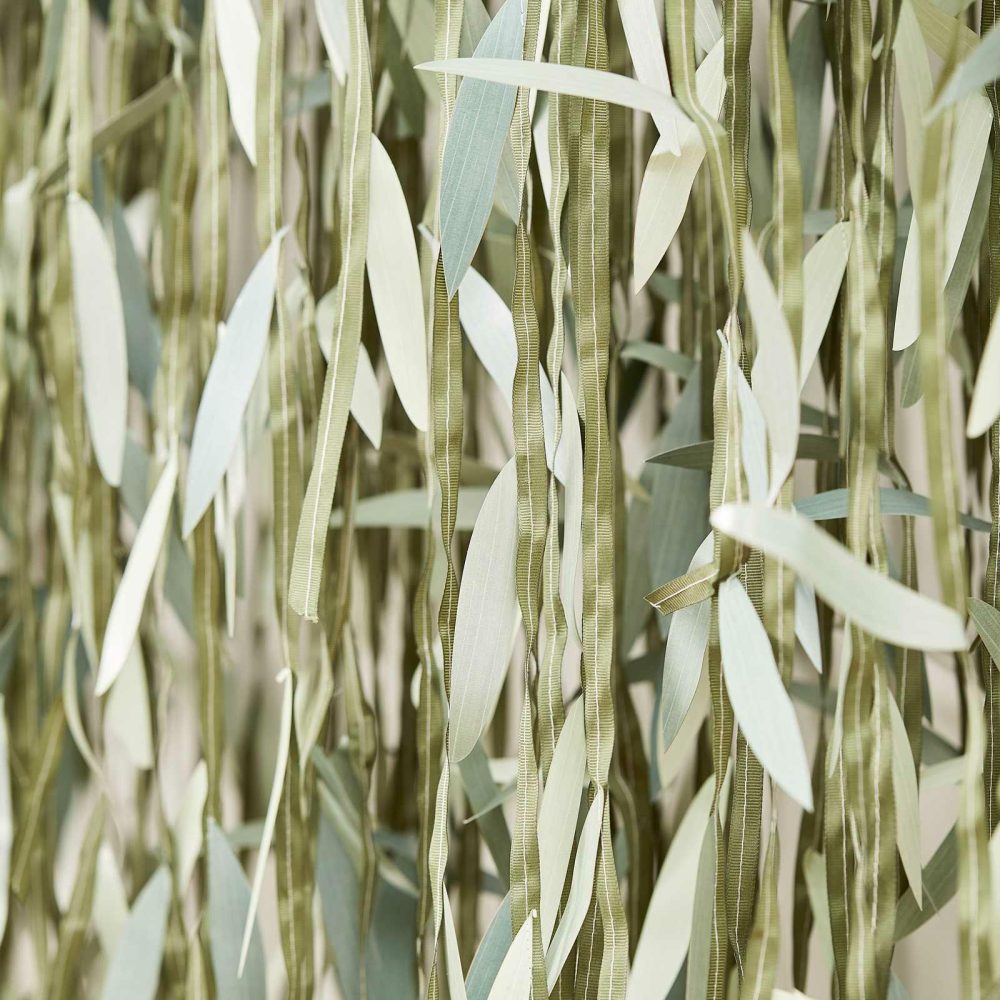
(110, 909)
(332, 18)
(230, 381)
(581, 890)
(807, 622)
(487, 617)
(985, 405)
(366, 400)
(126, 609)
(394, 279)
(760, 703)
(513, 978)
(127, 712)
(669, 175)
(100, 321)
(239, 45)
(666, 931)
(822, 275)
(556, 818)
(873, 602)
(775, 368)
(188, 826)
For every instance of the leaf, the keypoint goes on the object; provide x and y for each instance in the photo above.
(100, 324)
(489, 955)
(696, 982)
(453, 958)
(581, 890)
(698, 455)
(753, 439)
(126, 715)
(666, 931)
(986, 618)
(822, 276)
(473, 146)
(130, 598)
(904, 786)
(410, 509)
(230, 381)
(513, 979)
(939, 882)
(807, 623)
(571, 450)
(188, 826)
(985, 406)
(775, 367)
(873, 602)
(394, 280)
(560, 803)
(761, 705)
(980, 67)
(134, 972)
(832, 504)
(576, 81)
(669, 175)
(270, 817)
(239, 44)
(684, 656)
(331, 16)
(488, 614)
(228, 903)
(366, 400)
(658, 355)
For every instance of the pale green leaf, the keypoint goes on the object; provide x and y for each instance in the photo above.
(394, 280)
(760, 703)
(188, 826)
(873, 602)
(513, 979)
(331, 16)
(822, 275)
(229, 384)
(904, 786)
(126, 715)
(100, 326)
(134, 972)
(488, 615)
(228, 903)
(130, 598)
(6, 819)
(985, 406)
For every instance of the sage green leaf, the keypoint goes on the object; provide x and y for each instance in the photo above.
(580, 893)
(822, 276)
(667, 929)
(659, 356)
(229, 384)
(986, 618)
(904, 786)
(753, 437)
(126, 715)
(985, 405)
(394, 280)
(142, 330)
(488, 615)
(577, 81)
(683, 658)
(130, 598)
(228, 903)
(699, 948)
(476, 135)
(832, 504)
(100, 325)
(239, 44)
(980, 67)
(807, 623)
(409, 509)
(939, 882)
(188, 826)
(134, 972)
(366, 400)
(698, 455)
(490, 954)
(873, 602)
(761, 705)
(775, 367)
(453, 958)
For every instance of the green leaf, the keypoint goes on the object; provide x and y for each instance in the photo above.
(228, 903)
(130, 598)
(659, 356)
(760, 703)
(410, 509)
(513, 978)
(980, 67)
(6, 818)
(488, 615)
(986, 618)
(331, 16)
(394, 280)
(230, 381)
(904, 786)
(985, 406)
(490, 954)
(134, 972)
(475, 140)
(939, 883)
(873, 602)
(822, 276)
(100, 326)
